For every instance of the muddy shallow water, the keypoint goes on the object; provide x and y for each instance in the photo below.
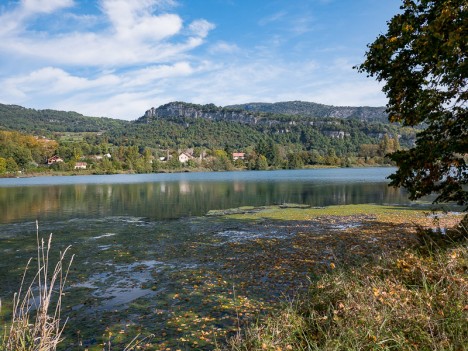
(169, 258)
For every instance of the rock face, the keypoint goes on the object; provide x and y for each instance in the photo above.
(311, 109)
(254, 113)
(212, 112)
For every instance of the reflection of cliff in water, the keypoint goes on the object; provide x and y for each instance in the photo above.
(170, 199)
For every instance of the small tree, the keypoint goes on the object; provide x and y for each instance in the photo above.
(295, 161)
(3, 165)
(423, 61)
(262, 163)
(11, 165)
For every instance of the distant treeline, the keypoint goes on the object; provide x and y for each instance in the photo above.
(30, 138)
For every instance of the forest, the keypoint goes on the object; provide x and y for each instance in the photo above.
(29, 138)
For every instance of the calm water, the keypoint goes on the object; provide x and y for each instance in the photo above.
(171, 196)
(147, 259)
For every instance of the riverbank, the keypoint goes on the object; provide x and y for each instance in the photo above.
(414, 299)
(84, 172)
(396, 280)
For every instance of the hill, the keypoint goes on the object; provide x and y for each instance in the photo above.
(289, 139)
(43, 122)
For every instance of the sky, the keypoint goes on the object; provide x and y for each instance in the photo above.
(118, 58)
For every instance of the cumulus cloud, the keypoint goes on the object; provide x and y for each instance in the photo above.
(132, 55)
(133, 20)
(201, 28)
(135, 35)
(44, 6)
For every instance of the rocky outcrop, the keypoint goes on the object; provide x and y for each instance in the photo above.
(311, 109)
(269, 114)
(211, 112)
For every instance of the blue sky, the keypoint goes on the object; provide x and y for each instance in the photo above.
(118, 58)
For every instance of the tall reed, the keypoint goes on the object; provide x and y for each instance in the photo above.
(36, 322)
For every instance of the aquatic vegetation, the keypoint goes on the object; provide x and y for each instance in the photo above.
(195, 282)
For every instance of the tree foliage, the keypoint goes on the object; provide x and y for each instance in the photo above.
(285, 141)
(423, 61)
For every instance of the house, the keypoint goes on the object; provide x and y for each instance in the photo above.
(100, 157)
(54, 159)
(81, 165)
(184, 157)
(238, 156)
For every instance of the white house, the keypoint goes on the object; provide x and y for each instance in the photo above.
(184, 157)
(238, 156)
(54, 159)
(81, 165)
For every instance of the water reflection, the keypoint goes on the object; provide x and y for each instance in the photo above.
(175, 199)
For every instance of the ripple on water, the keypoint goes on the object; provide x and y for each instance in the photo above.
(106, 235)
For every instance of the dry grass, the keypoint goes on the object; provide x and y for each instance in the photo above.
(36, 323)
(417, 301)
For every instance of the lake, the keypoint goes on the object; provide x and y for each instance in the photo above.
(172, 196)
(148, 260)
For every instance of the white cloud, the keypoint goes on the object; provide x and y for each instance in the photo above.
(223, 47)
(201, 28)
(125, 105)
(133, 20)
(135, 54)
(56, 88)
(44, 6)
(52, 81)
(151, 75)
(135, 35)
(127, 94)
(80, 20)
(12, 21)
(356, 93)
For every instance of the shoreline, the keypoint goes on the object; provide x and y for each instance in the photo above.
(186, 170)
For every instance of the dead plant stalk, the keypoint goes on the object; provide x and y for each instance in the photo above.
(36, 325)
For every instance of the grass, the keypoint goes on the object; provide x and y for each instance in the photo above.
(36, 323)
(415, 301)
